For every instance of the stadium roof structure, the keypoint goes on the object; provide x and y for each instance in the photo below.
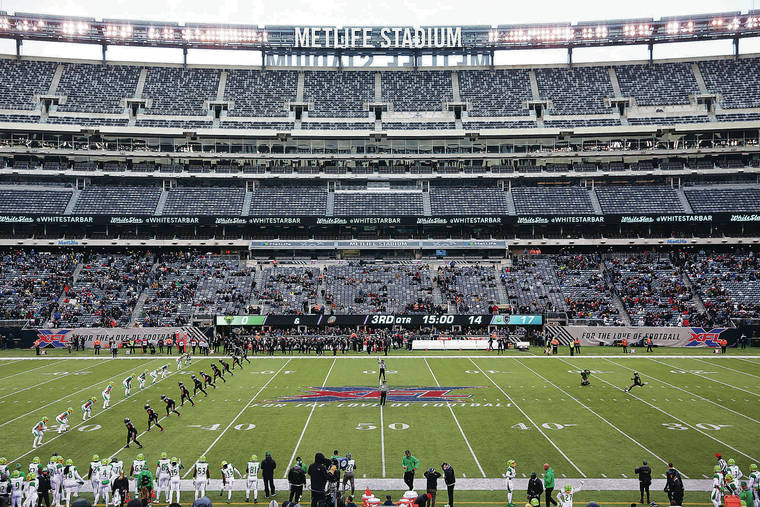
(379, 40)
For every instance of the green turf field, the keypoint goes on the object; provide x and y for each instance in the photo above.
(521, 405)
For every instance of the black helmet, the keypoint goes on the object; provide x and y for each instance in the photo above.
(147, 406)
(193, 376)
(126, 420)
(180, 383)
(163, 396)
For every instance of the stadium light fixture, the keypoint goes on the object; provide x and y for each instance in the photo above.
(752, 22)
(733, 25)
(717, 22)
(72, 28)
(4, 24)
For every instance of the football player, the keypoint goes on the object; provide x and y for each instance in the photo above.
(174, 467)
(87, 408)
(107, 396)
(184, 395)
(39, 432)
(63, 420)
(252, 476)
(201, 476)
(152, 417)
(162, 475)
(127, 383)
(170, 405)
(228, 478)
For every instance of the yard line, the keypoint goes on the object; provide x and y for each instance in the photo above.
(708, 378)
(91, 418)
(466, 441)
(599, 416)
(692, 394)
(239, 414)
(746, 360)
(303, 431)
(26, 371)
(672, 416)
(715, 363)
(528, 418)
(382, 439)
(48, 381)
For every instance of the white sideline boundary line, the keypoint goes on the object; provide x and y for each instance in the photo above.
(693, 394)
(708, 378)
(527, 355)
(306, 425)
(731, 369)
(599, 416)
(529, 419)
(46, 382)
(94, 416)
(238, 415)
(466, 441)
(69, 396)
(21, 372)
(673, 417)
(382, 439)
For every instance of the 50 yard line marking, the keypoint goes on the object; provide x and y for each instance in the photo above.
(458, 425)
(538, 428)
(599, 416)
(382, 439)
(190, 469)
(303, 431)
(668, 414)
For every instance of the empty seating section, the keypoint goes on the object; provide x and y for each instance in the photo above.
(105, 292)
(532, 286)
(552, 201)
(78, 120)
(496, 92)
(638, 199)
(289, 201)
(734, 80)
(580, 90)
(34, 201)
(118, 200)
(469, 289)
(653, 292)
(583, 122)
(670, 120)
(21, 80)
(463, 200)
(97, 88)
(257, 93)
(290, 289)
(177, 124)
(520, 124)
(177, 91)
(658, 84)
(717, 200)
(378, 204)
(585, 289)
(204, 201)
(338, 94)
(378, 289)
(439, 125)
(417, 90)
(31, 282)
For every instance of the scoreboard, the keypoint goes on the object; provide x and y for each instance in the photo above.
(380, 320)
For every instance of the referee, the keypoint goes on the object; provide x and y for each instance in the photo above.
(383, 393)
(381, 363)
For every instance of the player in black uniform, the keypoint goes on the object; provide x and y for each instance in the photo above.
(184, 394)
(244, 353)
(585, 374)
(636, 382)
(207, 379)
(225, 366)
(198, 386)
(152, 417)
(131, 433)
(217, 373)
(236, 361)
(170, 405)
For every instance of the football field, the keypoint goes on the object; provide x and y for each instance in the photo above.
(472, 411)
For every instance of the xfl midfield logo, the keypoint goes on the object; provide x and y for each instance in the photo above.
(701, 338)
(56, 338)
(363, 393)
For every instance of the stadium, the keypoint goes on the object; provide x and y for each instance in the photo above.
(384, 193)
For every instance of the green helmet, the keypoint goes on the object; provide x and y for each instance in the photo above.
(70, 410)
(202, 459)
(95, 457)
(53, 459)
(534, 502)
(254, 457)
(511, 463)
(732, 461)
(104, 462)
(140, 456)
(163, 455)
(94, 399)
(45, 419)
(174, 459)
(3, 461)
(716, 468)
(60, 459)
(16, 473)
(36, 459)
(568, 488)
(729, 478)
(69, 462)
(224, 463)
(753, 466)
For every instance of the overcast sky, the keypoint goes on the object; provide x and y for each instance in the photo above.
(382, 12)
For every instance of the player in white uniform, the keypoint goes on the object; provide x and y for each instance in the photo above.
(34, 466)
(509, 475)
(127, 383)
(733, 469)
(141, 379)
(228, 478)
(30, 500)
(164, 371)
(87, 408)
(63, 420)
(200, 476)
(162, 476)
(105, 476)
(94, 471)
(71, 480)
(153, 376)
(252, 476)
(137, 466)
(174, 467)
(179, 362)
(17, 488)
(565, 497)
(117, 466)
(349, 471)
(107, 396)
(716, 496)
(55, 470)
(754, 483)
(39, 432)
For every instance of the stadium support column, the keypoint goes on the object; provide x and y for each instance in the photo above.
(104, 48)
(736, 47)
(19, 42)
(184, 57)
(651, 52)
(569, 55)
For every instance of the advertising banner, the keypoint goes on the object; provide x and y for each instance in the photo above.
(61, 338)
(661, 336)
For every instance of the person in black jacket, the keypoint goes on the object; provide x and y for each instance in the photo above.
(645, 479)
(120, 485)
(450, 479)
(432, 476)
(535, 488)
(318, 475)
(297, 480)
(267, 473)
(674, 485)
(422, 500)
(43, 488)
